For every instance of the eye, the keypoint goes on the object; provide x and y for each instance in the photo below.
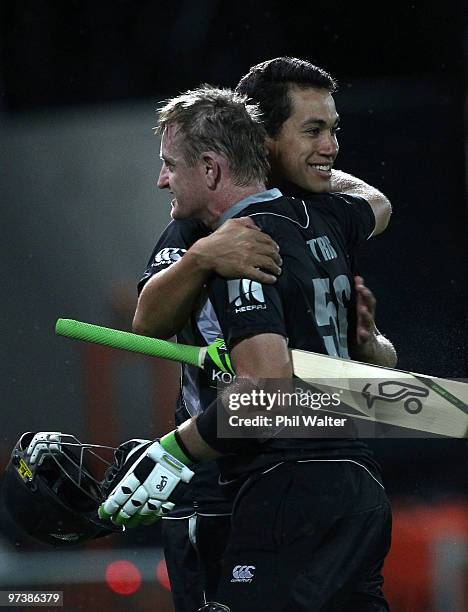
(313, 131)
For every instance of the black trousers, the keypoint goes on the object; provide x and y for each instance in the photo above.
(193, 548)
(307, 537)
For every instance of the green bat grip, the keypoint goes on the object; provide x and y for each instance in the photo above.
(126, 341)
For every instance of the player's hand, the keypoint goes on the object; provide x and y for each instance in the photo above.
(239, 249)
(369, 344)
(366, 330)
(148, 481)
(365, 305)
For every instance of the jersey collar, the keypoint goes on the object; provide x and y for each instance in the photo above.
(263, 196)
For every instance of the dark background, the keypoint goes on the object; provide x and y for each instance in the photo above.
(401, 74)
(79, 51)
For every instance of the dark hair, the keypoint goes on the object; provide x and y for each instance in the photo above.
(212, 119)
(268, 85)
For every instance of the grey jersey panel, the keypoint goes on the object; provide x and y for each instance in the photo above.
(209, 329)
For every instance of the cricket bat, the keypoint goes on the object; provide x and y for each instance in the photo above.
(384, 395)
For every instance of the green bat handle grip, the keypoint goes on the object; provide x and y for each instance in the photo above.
(115, 338)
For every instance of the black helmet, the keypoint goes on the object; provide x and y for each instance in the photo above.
(51, 493)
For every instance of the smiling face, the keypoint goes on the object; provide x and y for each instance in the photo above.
(184, 181)
(306, 146)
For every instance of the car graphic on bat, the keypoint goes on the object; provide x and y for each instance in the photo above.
(396, 391)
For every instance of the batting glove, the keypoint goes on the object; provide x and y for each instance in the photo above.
(149, 486)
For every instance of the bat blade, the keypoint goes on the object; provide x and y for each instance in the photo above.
(386, 395)
(383, 395)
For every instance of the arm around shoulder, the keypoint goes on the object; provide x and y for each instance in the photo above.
(238, 249)
(380, 204)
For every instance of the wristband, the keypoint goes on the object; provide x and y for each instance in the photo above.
(172, 443)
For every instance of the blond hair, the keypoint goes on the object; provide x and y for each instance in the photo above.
(219, 120)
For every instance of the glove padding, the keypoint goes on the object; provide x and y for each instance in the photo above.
(148, 488)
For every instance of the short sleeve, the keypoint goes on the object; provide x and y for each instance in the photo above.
(356, 217)
(246, 308)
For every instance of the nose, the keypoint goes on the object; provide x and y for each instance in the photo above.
(163, 179)
(329, 145)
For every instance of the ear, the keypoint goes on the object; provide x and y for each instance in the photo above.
(212, 166)
(270, 144)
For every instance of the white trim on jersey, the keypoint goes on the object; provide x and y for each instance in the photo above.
(288, 218)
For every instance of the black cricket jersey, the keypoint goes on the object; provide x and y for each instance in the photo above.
(312, 303)
(348, 221)
(197, 391)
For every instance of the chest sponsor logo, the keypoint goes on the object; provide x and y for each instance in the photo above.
(168, 255)
(222, 377)
(245, 295)
(322, 249)
(243, 573)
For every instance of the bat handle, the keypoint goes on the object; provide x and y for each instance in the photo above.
(127, 341)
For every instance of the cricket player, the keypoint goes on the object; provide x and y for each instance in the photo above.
(311, 523)
(195, 533)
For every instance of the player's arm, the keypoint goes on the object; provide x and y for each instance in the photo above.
(154, 472)
(369, 345)
(255, 358)
(341, 182)
(238, 249)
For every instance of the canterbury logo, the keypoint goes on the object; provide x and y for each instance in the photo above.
(245, 294)
(168, 256)
(243, 573)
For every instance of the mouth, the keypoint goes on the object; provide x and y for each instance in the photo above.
(324, 170)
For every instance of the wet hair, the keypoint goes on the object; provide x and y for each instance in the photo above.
(219, 120)
(268, 84)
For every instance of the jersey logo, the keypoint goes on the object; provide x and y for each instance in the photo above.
(243, 573)
(168, 256)
(245, 295)
(322, 249)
